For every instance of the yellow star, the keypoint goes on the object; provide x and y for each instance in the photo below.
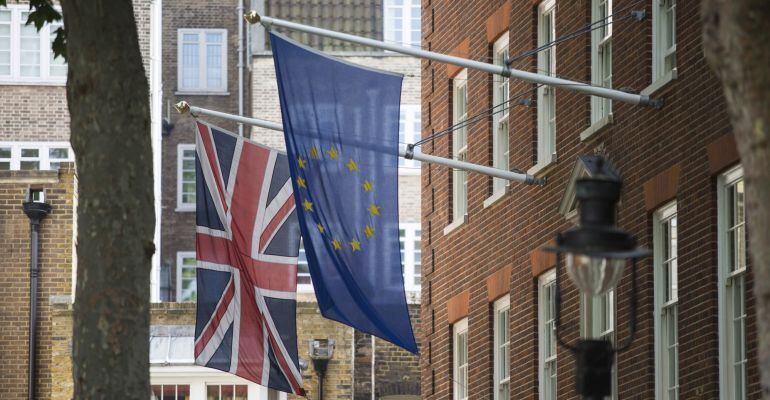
(308, 205)
(355, 245)
(301, 182)
(369, 231)
(332, 152)
(320, 228)
(374, 209)
(352, 166)
(314, 152)
(302, 162)
(337, 244)
(368, 186)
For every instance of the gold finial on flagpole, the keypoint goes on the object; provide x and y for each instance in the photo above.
(252, 17)
(182, 107)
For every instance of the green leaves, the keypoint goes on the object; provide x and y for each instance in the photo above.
(43, 12)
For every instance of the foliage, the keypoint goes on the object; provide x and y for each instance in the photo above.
(44, 12)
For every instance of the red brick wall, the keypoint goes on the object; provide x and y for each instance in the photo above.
(178, 228)
(55, 279)
(641, 143)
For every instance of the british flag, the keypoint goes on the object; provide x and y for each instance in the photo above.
(247, 243)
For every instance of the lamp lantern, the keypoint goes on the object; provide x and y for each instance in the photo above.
(595, 254)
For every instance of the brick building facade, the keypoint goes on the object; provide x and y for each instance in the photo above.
(682, 197)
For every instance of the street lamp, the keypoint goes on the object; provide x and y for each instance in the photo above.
(595, 253)
(320, 352)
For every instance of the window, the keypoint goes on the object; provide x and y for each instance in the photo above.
(546, 99)
(25, 54)
(34, 155)
(460, 146)
(185, 177)
(410, 238)
(547, 336)
(402, 22)
(304, 282)
(500, 94)
(186, 285)
(502, 343)
(170, 392)
(460, 359)
(601, 57)
(663, 40)
(665, 241)
(409, 127)
(202, 63)
(599, 323)
(732, 285)
(227, 392)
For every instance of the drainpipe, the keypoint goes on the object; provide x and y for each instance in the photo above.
(239, 18)
(36, 209)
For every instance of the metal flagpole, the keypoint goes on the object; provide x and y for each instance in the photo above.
(183, 107)
(253, 17)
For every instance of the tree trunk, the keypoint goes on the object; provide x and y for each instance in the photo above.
(736, 41)
(108, 99)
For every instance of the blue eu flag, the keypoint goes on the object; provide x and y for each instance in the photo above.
(341, 127)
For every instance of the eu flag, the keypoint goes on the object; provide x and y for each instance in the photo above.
(340, 122)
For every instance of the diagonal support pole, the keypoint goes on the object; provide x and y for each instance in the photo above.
(632, 98)
(183, 107)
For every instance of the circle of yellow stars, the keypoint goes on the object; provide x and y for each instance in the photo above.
(374, 210)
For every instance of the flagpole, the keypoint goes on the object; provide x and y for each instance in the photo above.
(253, 17)
(183, 107)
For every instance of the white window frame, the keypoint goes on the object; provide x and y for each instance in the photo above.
(411, 117)
(592, 325)
(43, 153)
(546, 95)
(180, 204)
(662, 74)
(303, 287)
(180, 257)
(459, 151)
(459, 372)
(410, 237)
(601, 60)
(501, 349)
(500, 121)
(202, 60)
(729, 281)
(45, 36)
(545, 300)
(662, 306)
(388, 19)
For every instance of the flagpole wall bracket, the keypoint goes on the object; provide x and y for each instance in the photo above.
(409, 154)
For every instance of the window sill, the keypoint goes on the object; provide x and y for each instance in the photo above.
(662, 81)
(596, 127)
(23, 82)
(538, 170)
(495, 197)
(200, 93)
(185, 209)
(455, 225)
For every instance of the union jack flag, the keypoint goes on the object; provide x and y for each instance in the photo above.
(247, 243)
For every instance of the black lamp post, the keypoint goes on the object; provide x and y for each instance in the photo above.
(320, 352)
(595, 253)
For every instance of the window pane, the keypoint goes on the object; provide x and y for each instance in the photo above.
(58, 153)
(30, 165)
(5, 165)
(190, 65)
(30, 152)
(5, 152)
(29, 48)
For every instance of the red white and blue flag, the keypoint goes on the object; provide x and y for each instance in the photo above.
(247, 243)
